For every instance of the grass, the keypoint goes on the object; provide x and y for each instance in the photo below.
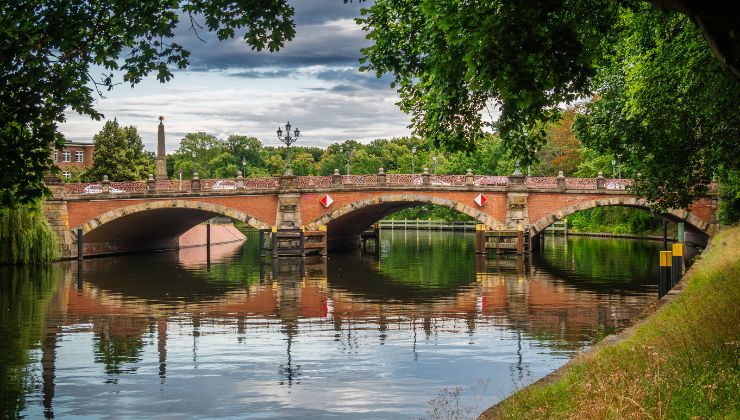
(683, 361)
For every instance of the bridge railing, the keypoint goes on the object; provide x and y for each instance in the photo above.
(326, 182)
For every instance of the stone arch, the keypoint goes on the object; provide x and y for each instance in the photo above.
(204, 207)
(693, 221)
(387, 204)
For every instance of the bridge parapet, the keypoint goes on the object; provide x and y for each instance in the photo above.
(346, 181)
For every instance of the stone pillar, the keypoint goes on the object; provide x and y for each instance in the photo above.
(425, 177)
(195, 182)
(161, 153)
(287, 182)
(58, 217)
(600, 181)
(381, 176)
(469, 181)
(151, 185)
(239, 180)
(105, 184)
(516, 202)
(561, 181)
(289, 211)
(336, 179)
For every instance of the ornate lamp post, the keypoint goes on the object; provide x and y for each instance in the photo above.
(614, 168)
(348, 149)
(619, 167)
(288, 140)
(434, 164)
(244, 167)
(413, 160)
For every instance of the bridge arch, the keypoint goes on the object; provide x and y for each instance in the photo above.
(151, 225)
(695, 223)
(351, 219)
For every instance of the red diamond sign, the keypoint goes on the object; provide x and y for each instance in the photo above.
(480, 200)
(326, 200)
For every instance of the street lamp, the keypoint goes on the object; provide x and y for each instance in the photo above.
(413, 160)
(192, 154)
(244, 167)
(614, 168)
(348, 149)
(288, 140)
(619, 166)
(434, 164)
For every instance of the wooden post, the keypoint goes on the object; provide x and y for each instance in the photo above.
(520, 240)
(480, 239)
(273, 238)
(79, 245)
(262, 243)
(664, 273)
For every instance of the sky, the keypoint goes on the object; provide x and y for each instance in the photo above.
(313, 82)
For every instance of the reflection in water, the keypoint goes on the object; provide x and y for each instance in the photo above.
(182, 333)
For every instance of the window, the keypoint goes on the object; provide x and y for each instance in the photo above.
(56, 156)
(66, 174)
(78, 156)
(66, 156)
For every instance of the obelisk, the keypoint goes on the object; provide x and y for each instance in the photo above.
(161, 153)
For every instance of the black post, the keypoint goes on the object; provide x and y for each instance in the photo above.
(208, 243)
(303, 245)
(664, 273)
(262, 244)
(79, 244)
(676, 264)
(274, 239)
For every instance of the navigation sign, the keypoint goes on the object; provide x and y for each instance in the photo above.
(480, 200)
(326, 200)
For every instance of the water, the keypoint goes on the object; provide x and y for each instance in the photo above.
(394, 336)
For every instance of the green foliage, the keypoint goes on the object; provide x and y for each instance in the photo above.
(26, 236)
(119, 153)
(429, 212)
(453, 61)
(620, 220)
(666, 106)
(51, 47)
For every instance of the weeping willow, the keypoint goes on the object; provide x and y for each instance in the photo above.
(26, 237)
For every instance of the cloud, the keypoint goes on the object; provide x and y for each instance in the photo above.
(314, 82)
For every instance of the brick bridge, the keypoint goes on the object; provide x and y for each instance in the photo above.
(145, 215)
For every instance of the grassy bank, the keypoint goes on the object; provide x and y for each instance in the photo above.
(681, 362)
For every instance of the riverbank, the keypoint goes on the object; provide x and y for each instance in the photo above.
(681, 360)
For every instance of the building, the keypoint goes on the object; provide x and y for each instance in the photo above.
(74, 157)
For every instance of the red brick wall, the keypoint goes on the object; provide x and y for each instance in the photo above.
(312, 209)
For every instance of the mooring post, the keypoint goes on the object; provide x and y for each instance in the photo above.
(208, 243)
(520, 240)
(303, 243)
(79, 244)
(480, 239)
(677, 264)
(274, 240)
(664, 273)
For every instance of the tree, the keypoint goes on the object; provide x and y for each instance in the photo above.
(119, 154)
(454, 61)
(50, 47)
(665, 104)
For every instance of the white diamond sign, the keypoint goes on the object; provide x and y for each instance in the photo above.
(480, 200)
(326, 200)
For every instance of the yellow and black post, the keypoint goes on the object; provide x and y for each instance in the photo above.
(664, 278)
(677, 264)
(480, 239)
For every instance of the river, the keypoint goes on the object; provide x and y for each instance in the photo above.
(421, 329)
